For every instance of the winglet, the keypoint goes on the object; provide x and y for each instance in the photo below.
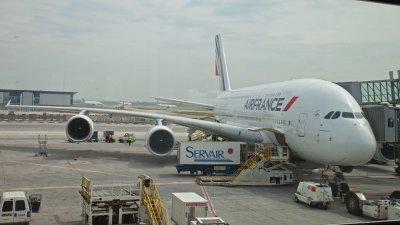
(9, 103)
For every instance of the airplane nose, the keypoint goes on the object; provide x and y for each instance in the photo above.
(363, 146)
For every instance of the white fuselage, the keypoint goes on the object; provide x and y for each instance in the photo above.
(297, 109)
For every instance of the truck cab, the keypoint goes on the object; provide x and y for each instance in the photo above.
(15, 208)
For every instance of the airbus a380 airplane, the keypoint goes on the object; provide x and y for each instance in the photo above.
(318, 120)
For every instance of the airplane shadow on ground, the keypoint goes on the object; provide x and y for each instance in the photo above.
(86, 154)
(373, 169)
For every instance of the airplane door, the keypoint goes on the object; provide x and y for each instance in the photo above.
(301, 126)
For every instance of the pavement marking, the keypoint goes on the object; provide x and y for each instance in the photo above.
(66, 168)
(205, 193)
(79, 187)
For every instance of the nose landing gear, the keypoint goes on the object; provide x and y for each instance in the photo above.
(397, 169)
(338, 185)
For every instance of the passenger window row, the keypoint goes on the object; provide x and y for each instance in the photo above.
(336, 114)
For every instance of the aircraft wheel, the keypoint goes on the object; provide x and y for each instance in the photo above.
(397, 170)
(334, 189)
(296, 199)
(344, 188)
(353, 203)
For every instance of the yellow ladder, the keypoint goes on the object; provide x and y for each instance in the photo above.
(264, 153)
(154, 205)
(86, 189)
(150, 207)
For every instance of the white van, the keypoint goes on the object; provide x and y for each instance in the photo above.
(15, 208)
(314, 194)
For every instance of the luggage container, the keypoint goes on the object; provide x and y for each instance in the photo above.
(187, 206)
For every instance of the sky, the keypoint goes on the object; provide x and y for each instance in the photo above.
(131, 50)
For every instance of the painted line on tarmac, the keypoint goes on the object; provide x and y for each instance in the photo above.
(79, 187)
(205, 193)
(66, 168)
(92, 171)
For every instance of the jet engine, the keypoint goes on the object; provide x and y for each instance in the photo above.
(386, 152)
(79, 128)
(160, 140)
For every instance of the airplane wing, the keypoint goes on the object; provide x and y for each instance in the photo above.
(230, 131)
(177, 101)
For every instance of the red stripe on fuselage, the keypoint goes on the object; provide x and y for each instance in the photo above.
(290, 103)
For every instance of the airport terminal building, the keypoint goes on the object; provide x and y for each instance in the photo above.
(36, 97)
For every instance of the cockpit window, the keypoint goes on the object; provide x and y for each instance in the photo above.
(348, 115)
(358, 115)
(328, 116)
(336, 115)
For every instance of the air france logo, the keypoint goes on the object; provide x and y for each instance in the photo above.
(214, 155)
(268, 104)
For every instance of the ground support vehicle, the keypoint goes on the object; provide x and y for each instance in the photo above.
(122, 204)
(314, 194)
(266, 167)
(397, 169)
(42, 141)
(209, 157)
(187, 206)
(124, 139)
(15, 207)
(207, 169)
(108, 136)
(95, 137)
(389, 208)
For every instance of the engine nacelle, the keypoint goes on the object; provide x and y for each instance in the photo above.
(160, 140)
(79, 128)
(385, 153)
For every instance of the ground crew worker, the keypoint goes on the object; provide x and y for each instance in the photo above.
(130, 137)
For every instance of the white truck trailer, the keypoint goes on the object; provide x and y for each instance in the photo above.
(187, 206)
(209, 157)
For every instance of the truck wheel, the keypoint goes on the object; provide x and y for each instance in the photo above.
(208, 172)
(353, 203)
(395, 195)
(322, 205)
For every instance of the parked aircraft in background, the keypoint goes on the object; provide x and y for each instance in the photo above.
(186, 103)
(318, 120)
(125, 103)
(89, 102)
(167, 106)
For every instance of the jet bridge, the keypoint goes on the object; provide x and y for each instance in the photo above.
(379, 100)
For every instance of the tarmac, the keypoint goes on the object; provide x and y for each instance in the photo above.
(58, 177)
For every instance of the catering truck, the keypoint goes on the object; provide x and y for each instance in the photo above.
(209, 157)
